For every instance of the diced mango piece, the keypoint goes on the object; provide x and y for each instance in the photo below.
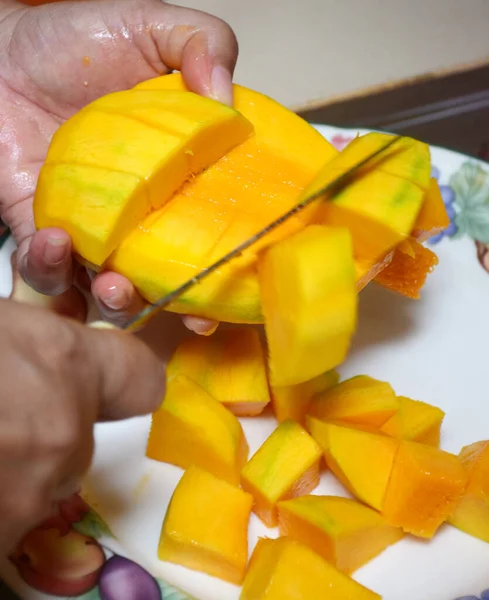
(424, 487)
(307, 287)
(471, 513)
(284, 569)
(285, 466)
(361, 460)
(190, 427)
(344, 532)
(361, 400)
(368, 269)
(206, 526)
(415, 421)
(229, 365)
(432, 217)
(293, 401)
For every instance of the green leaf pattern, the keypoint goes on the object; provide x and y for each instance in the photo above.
(471, 186)
(92, 525)
(168, 592)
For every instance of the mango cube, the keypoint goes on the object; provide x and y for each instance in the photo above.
(361, 460)
(307, 287)
(293, 401)
(423, 490)
(229, 365)
(285, 466)
(284, 569)
(471, 513)
(344, 532)
(433, 217)
(361, 400)
(415, 421)
(190, 427)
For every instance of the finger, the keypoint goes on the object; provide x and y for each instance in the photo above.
(200, 326)
(45, 261)
(116, 297)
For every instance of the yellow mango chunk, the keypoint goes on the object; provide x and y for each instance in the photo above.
(344, 532)
(309, 301)
(229, 365)
(293, 401)
(415, 421)
(285, 466)
(432, 217)
(361, 460)
(424, 487)
(190, 427)
(284, 569)
(206, 526)
(471, 513)
(361, 400)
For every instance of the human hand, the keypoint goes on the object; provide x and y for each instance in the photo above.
(45, 78)
(58, 378)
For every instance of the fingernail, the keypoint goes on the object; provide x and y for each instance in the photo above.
(55, 250)
(115, 299)
(209, 331)
(221, 85)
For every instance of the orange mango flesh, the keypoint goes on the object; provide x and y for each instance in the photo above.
(229, 366)
(308, 296)
(190, 428)
(415, 421)
(471, 513)
(196, 535)
(284, 569)
(432, 217)
(293, 401)
(362, 461)
(285, 466)
(361, 400)
(423, 490)
(344, 532)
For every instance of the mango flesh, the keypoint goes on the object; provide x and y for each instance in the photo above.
(191, 428)
(415, 421)
(423, 490)
(285, 466)
(432, 217)
(206, 526)
(307, 286)
(361, 400)
(284, 569)
(344, 532)
(229, 365)
(293, 401)
(471, 513)
(106, 168)
(361, 460)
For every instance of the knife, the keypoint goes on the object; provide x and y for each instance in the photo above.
(149, 311)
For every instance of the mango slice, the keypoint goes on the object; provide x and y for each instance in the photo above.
(293, 401)
(160, 154)
(344, 532)
(361, 460)
(284, 569)
(423, 490)
(285, 466)
(471, 513)
(361, 400)
(433, 217)
(229, 365)
(206, 526)
(415, 421)
(190, 427)
(309, 301)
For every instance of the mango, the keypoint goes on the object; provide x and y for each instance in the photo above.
(293, 401)
(206, 526)
(471, 512)
(361, 400)
(433, 217)
(284, 569)
(344, 532)
(309, 301)
(229, 366)
(425, 485)
(191, 428)
(362, 461)
(415, 421)
(285, 466)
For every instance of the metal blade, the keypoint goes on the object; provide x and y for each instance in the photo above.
(135, 322)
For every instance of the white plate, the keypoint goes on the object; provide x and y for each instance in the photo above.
(432, 350)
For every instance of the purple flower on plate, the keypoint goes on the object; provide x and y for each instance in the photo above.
(448, 195)
(484, 596)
